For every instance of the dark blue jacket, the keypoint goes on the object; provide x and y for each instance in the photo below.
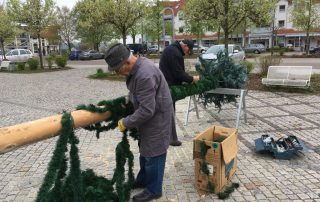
(172, 65)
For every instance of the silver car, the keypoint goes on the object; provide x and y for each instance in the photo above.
(200, 48)
(19, 55)
(234, 51)
(255, 48)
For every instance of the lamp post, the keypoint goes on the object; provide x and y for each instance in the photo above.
(165, 18)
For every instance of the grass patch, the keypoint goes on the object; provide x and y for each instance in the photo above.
(29, 71)
(100, 74)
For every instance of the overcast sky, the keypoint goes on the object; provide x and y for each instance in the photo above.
(69, 3)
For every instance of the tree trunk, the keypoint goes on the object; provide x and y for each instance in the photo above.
(2, 46)
(244, 33)
(124, 37)
(69, 45)
(226, 41)
(308, 42)
(226, 26)
(133, 38)
(219, 29)
(40, 50)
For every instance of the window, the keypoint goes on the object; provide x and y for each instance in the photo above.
(15, 52)
(282, 8)
(281, 23)
(23, 52)
(237, 48)
(180, 29)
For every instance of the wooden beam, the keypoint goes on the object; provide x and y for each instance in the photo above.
(16, 136)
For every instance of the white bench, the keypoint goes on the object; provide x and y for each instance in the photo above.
(294, 76)
(8, 65)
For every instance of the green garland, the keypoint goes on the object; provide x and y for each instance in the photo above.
(204, 169)
(226, 75)
(86, 185)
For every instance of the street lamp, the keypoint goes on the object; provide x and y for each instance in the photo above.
(166, 17)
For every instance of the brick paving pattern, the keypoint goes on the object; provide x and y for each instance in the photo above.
(26, 97)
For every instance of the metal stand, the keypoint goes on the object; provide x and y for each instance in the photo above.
(193, 97)
(226, 91)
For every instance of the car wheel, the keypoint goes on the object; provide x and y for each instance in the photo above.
(256, 51)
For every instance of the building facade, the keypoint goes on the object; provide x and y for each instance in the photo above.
(285, 34)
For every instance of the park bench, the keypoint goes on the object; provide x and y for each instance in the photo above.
(292, 76)
(8, 65)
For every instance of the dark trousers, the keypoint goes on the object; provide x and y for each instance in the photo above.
(151, 173)
(174, 136)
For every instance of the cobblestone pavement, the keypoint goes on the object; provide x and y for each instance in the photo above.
(26, 97)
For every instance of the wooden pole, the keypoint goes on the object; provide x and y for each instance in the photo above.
(13, 137)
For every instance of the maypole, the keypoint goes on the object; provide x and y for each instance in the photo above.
(13, 137)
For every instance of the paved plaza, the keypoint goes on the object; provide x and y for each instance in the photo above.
(27, 97)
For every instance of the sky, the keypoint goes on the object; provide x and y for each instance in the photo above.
(69, 3)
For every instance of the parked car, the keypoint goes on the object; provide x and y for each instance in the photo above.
(90, 55)
(255, 48)
(201, 49)
(234, 51)
(153, 49)
(19, 55)
(74, 55)
(314, 50)
(138, 48)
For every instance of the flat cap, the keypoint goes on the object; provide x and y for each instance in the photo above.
(116, 56)
(189, 43)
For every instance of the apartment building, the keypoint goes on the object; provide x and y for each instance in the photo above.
(285, 34)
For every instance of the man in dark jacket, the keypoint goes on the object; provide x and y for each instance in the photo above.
(153, 116)
(173, 69)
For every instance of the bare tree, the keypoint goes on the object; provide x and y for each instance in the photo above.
(67, 26)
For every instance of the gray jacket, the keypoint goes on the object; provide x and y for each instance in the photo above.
(153, 115)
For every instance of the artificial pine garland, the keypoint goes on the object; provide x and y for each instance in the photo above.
(204, 169)
(226, 74)
(85, 185)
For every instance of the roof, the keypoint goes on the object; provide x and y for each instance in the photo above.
(175, 5)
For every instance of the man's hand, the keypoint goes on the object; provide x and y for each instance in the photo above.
(196, 78)
(121, 126)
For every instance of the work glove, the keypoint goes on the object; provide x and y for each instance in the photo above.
(121, 127)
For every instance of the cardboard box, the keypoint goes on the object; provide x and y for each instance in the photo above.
(221, 157)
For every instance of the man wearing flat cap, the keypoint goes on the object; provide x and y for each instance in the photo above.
(173, 69)
(153, 116)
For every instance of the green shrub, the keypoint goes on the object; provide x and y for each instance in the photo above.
(248, 65)
(100, 74)
(21, 66)
(99, 71)
(50, 59)
(281, 51)
(33, 64)
(61, 60)
(266, 61)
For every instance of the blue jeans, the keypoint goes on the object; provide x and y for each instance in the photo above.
(151, 173)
